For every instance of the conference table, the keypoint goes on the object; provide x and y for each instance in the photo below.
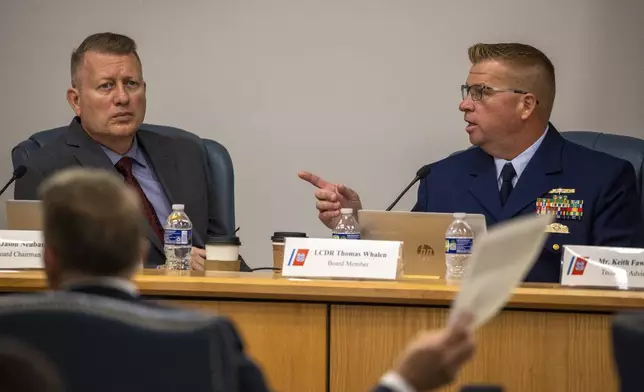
(341, 336)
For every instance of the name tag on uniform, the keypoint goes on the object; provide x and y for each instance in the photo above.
(599, 266)
(21, 249)
(336, 258)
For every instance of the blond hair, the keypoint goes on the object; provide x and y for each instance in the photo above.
(531, 69)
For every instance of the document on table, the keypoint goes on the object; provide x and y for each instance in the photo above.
(500, 260)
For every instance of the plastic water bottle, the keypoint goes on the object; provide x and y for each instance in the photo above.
(347, 228)
(458, 247)
(177, 242)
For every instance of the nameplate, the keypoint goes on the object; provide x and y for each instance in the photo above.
(21, 249)
(334, 258)
(597, 266)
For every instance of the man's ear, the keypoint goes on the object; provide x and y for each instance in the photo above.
(73, 98)
(52, 267)
(528, 106)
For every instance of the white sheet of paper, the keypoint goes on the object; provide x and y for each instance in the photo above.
(500, 260)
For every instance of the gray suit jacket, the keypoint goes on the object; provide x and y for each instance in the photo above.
(179, 163)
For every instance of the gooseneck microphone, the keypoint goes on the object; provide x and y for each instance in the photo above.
(17, 174)
(420, 174)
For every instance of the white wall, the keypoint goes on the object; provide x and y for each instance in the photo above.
(360, 91)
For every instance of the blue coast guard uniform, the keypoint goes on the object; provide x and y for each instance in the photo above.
(592, 194)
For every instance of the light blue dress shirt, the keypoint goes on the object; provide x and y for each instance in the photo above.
(519, 162)
(146, 177)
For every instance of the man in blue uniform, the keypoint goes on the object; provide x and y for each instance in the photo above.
(520, 164)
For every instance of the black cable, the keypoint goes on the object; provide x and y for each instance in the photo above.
(265, 268)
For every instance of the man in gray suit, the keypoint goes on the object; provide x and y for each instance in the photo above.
(108, 97)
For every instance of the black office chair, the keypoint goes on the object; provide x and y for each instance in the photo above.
(102, 344)
(220, 165)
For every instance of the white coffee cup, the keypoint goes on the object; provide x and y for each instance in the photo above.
(222, 253)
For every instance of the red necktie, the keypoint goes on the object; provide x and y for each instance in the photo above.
(124, 166)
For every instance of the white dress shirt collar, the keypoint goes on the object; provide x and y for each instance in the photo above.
(520, 161)
(120, 284)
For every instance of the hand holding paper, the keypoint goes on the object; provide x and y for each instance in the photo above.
(500, 260)
(434, 358)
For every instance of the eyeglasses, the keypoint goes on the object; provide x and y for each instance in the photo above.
(476, 91)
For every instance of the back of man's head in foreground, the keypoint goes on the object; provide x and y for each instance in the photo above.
(93, 226)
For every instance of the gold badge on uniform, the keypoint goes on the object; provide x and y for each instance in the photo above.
(557, 228)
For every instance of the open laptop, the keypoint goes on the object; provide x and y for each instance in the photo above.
(422, 233)
(24, 214)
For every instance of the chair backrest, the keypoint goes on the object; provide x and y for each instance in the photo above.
(103, 344)
(220, 165)
(625, 147)
(628, 346)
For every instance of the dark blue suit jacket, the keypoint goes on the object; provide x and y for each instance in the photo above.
(467, 182)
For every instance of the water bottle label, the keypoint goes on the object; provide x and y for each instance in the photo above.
(458, 246)
(346, 236)
(178, 237)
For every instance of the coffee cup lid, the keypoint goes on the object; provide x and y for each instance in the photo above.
(224, 240)
(280, 235)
